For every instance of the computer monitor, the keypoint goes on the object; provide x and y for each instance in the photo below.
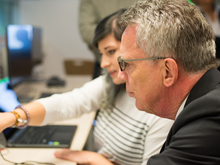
(23, 44)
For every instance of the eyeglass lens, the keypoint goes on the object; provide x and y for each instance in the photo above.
(121, 63)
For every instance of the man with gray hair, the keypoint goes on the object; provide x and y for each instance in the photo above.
(169, 65)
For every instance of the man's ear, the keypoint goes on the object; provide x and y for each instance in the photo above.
(170, 72)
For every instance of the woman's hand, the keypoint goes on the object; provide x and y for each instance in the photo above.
(7, 120)
(82, 157)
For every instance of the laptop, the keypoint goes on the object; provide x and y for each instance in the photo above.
(49, 136)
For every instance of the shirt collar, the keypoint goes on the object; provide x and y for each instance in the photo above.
(181, 107)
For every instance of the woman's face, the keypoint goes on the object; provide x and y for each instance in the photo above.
(109, 47)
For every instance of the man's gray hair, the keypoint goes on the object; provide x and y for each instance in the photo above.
(173, 28)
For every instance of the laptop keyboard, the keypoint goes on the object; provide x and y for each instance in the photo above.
(37, 135)
(49, 136)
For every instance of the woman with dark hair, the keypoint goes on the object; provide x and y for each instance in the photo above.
(123, 134)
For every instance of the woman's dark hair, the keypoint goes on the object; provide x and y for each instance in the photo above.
(108, 25)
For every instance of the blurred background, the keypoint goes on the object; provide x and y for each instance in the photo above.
(58, 21)
(60, 36)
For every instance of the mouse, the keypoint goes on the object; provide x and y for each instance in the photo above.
(54, 78)
(55, 81)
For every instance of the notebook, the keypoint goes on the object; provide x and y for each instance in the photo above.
(49, 136)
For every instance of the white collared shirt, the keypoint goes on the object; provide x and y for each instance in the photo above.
(181, 107)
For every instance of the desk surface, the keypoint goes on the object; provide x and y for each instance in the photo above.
(35, 89)
(47, 155)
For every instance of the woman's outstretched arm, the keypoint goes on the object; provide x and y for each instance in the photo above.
(36, 112)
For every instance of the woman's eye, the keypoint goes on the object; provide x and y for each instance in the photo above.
(111, 52)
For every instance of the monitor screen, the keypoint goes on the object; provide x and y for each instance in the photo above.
(8, 98)
(23, 49)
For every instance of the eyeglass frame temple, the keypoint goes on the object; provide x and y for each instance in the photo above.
(151, 58)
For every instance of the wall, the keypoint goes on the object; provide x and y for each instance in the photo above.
(61, 38)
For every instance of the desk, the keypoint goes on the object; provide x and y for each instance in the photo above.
(46, 155)
(34, 89)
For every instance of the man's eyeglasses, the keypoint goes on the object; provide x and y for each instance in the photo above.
(122, 63)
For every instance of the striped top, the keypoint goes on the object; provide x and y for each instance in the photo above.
(124, 135)
(120, 138)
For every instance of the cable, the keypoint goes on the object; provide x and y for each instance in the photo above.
(29, 162)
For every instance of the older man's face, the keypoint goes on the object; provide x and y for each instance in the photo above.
(142, 77)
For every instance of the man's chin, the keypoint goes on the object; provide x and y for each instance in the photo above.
(138, 106)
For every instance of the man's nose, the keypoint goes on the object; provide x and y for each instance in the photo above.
(122, 75)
